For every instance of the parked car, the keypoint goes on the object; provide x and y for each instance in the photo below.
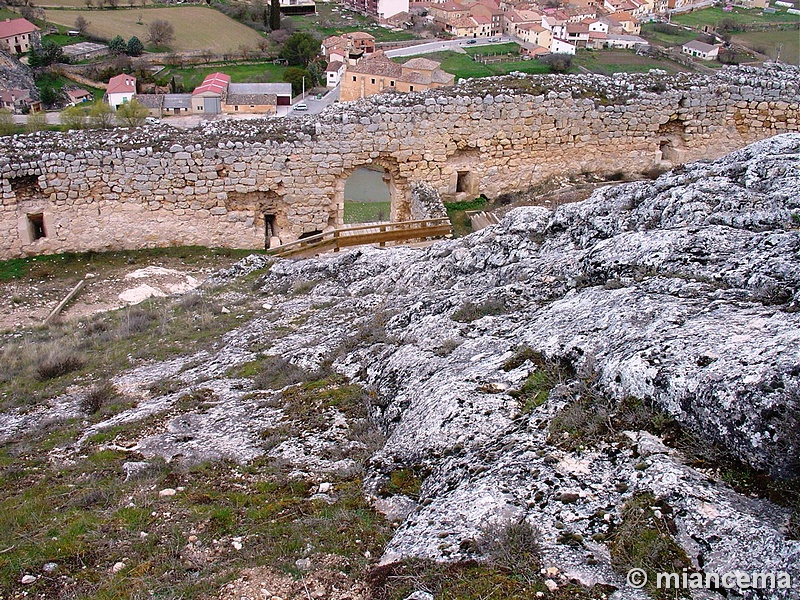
(301, 106)
(152, 120)
(494, 39)
(472, 41)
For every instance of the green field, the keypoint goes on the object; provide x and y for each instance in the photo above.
(256, 72)
(767, 42)
(327, 22)
(366, 212)
(510, 47)
(608, 62)
(196, 27)
(677, 37)
(712, 16)
(463, 67)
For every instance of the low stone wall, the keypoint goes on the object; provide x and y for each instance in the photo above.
(221, 184)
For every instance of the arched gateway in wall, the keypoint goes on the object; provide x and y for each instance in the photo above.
(246, 184)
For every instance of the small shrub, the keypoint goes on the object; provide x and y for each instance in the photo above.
(644, 540)
(470, 311)
(98, 397)
(58, 362)
(582, 422)
(535, 390)
(513, 547)
(275, 373)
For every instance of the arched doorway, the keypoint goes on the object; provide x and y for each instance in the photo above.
(367, 198)
(373, 192)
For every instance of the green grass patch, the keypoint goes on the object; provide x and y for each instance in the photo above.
(742, 16)
(366, 212)
(667, 35)
(326, 23)
(768, 43)
(405, 481)
(253, 72)
(608, 62)
(491, 49)
(62, 39)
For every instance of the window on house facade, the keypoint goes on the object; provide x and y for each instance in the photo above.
(411, 88)
(235, 108)
(372, 81)
(354, 77)
(391, 83)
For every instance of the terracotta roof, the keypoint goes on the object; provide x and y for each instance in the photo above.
(450, 7)
(423, 64)
(279, 89)
(14, 95)
(216, 83)
(78, 94)
(150, 100)
(334, 66)
(252, 99)
(334, 40)
(532, 27)
(481, 19)
(359, 35)
(464, 22)
(11, 27)
(121, 84)
(377, 64)
(597, 35)
(577, 28)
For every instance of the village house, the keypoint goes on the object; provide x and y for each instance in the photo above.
(531, 33)
(208, 97)
(19, 101)
(257, 98)
(18, 35)
(120, 90)
(333, 73)
(380, 9)
(700, 50)
(348, 47)
(78, 96)
(378, 73)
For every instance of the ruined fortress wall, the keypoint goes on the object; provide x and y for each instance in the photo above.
(227, 183)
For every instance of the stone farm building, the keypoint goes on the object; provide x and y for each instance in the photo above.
(218, 95)
(18, 35)
(377, 73)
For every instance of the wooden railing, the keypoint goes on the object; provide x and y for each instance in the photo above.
(377, 233)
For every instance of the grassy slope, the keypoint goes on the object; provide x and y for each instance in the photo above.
(680, 37)
(462, 66)
(196, 27)
(327, 22)
(712, 16)
(767, 42)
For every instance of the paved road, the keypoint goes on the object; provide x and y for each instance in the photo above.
(315, 106)
(439, 45)
(53, 118)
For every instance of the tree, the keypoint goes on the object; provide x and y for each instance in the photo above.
(81, 24)
(727, 57)
(295, 76)
(135, 47)
(117, 45)
(132, 114)
(112, 3)
(7, 126)
(47, 54)
(558, 63)
(49, 95)
(101, 115)
(35, 122)
(300, 49)
(161, 32)
(74, 117)
(275, 15)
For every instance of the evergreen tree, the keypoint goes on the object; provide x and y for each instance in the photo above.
(117, 45)
(275, 15)
(135, 47)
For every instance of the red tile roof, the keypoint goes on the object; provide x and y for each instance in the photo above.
(122, 84)
(216, 83)
(11, 27)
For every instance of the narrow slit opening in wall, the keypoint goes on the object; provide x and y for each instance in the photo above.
(269, 229)
(462, 183)
(36, 225)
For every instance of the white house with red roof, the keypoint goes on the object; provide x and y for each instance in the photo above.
(120, 90)
(18, 35)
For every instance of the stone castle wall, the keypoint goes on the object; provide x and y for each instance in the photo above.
(230, 183)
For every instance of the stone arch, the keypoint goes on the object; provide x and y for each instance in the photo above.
(399, 189)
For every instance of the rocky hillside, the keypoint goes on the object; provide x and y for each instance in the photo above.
(607, 386)
(15, 75)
